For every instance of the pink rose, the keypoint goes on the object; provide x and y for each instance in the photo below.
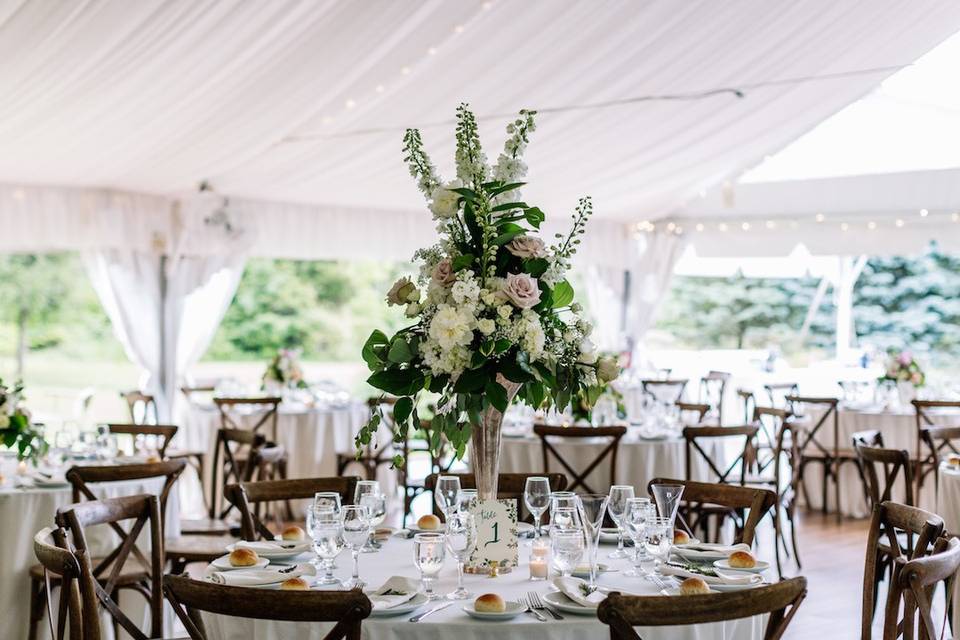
(527, 247)
(443, 273)
(522, 290)
(905, 357)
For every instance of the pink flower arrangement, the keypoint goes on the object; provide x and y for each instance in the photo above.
(902, 366)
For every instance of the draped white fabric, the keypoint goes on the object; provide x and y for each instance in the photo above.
(304, 101)
(605, 297)
(650, 279)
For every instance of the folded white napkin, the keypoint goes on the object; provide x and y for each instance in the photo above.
(720, 577)
(273, 546)
(393, 593)
(573, 589)
(260, 577)
(708, 550)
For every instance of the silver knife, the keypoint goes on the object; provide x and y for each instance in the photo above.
(419, 617)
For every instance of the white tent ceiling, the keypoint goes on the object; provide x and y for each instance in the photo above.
(305, 101)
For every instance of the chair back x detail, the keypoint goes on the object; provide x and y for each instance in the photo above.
(695, 438)
(61, 565)
(915, 587)
(163, 433)
(267, 407)
(548, 434)
(939, 441)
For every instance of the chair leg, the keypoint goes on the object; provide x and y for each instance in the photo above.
(38, 599)
(777, 536)
(791, 513)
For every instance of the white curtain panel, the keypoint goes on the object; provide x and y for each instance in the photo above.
(604, 289)
(650, 279)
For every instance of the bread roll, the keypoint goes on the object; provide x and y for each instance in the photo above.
(680, 537)
(429, 522)
(953, 460)
(294, 584)
(489, 603)
(741, 560)
(694, 586)
(293, 532)
(243, 557)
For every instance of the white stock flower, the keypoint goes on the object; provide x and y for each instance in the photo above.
(465, 290)
(533, 340)
(588, 352)
(450, 327)
(444, 202)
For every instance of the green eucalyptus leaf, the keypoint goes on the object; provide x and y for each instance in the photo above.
(470, 380)
(562, 294)
(398, 382)
(402, 409)
(370, 356)
(497, 395)
(400, 351)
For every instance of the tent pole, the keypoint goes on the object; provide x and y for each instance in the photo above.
(850, 271)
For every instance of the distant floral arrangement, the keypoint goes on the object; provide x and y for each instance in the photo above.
(493, 313)
(902, 366)
(17, 432)
(284, 370)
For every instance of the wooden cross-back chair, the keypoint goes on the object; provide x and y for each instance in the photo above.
(83, 481)
(926, 416)
(418, 442)
(941, 442)
(832, 455)
(781, 600)
(748, 401)
(163, 433)
(698, 410)
(750, 504)
(242, 455)
(510, 486)
(267, 408)
(668, 390)
(578, 479)
(777, 393)
(769, 420)
(713, 389)
(347, 609)
(142, 407)
(883, 469)
(60, 567)
(379, 451)
(250, 497)
(101, 580)
(898, 533)
(914, 591)
(694, 438)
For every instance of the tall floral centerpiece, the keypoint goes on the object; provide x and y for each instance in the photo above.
(284, 370)
(17, 432)
(493, 317)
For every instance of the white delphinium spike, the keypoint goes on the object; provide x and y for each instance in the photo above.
(419, 162)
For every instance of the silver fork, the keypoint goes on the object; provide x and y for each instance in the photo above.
(660, 584)
(536, 614)
(538, 604)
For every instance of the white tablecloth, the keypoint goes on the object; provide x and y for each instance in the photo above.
(312, 438)
(396, 558)
(948, 508)
(899, 429)
(638, 461)
(24, 512)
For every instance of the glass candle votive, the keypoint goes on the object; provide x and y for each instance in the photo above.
(539, 561)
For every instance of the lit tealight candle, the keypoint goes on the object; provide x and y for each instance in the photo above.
(539, 565)
(22, 468)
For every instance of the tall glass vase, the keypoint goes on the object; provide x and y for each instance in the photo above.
(485, 445)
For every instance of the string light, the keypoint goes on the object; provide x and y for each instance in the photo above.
(458, 28)
(955, 217)
(745, 226)
(350, 103)
(380, 88)
(18, 194)
(871, 225)
(899, 222)
(844, 226)
(722, 226)
(820, 217)
(700, 225)
(924, 213)
(771, 224)
(432, 51)
(671, 226)
(405, 71)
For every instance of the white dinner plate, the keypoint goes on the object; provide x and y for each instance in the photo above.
(736, 587)
(565, 604)
(280, 554)
(725, 565)
(49, 483)
(698, 555)
(513, 609)
(409, 606)
(584, 571)
(223, 564)
(608, 535)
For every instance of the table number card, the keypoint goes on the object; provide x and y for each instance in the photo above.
(496, 522)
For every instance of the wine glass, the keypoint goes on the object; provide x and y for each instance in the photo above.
(668, 499)
(376, 505)
(461, 538)
(635, 516)
(365, 487)
(428, 554)
(658, 538)
(356, 533)
(465, 497)
(567, 547)
(619, 495)
(327, 534)
(445, 494)
(592, 507)
(536, 495)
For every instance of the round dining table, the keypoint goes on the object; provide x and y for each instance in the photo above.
(26, 509)
(948, 508)
(899, 429)
(396, 559)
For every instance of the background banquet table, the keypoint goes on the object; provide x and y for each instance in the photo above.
(899, 429)
(25, 511)
(396, 558)
(638, 460)
(948, 508)
(311, 436)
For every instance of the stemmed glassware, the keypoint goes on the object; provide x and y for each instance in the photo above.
(356, 533)
(567, 546)
(619, 495)
(461, 538)
(428, 553)
(323, 502)
(536, 495)
(367, 492)
(445, 494)
(464, 497)
(668, 500)
(562, 500)
(635, 516)
(658, 538)
(592, 508)
(327, 534)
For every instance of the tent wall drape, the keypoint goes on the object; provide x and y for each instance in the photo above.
(650, 281)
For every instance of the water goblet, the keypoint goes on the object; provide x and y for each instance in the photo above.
(638, 511)
(356, 533)
(461, 538)
(561, 500)
(465, 497)
(536, 495)
(367, 488)
(619, 495)
(567, 547)
(428, 554)
(445, 494)
(658, 538)
(376, 505)
(327, 534)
